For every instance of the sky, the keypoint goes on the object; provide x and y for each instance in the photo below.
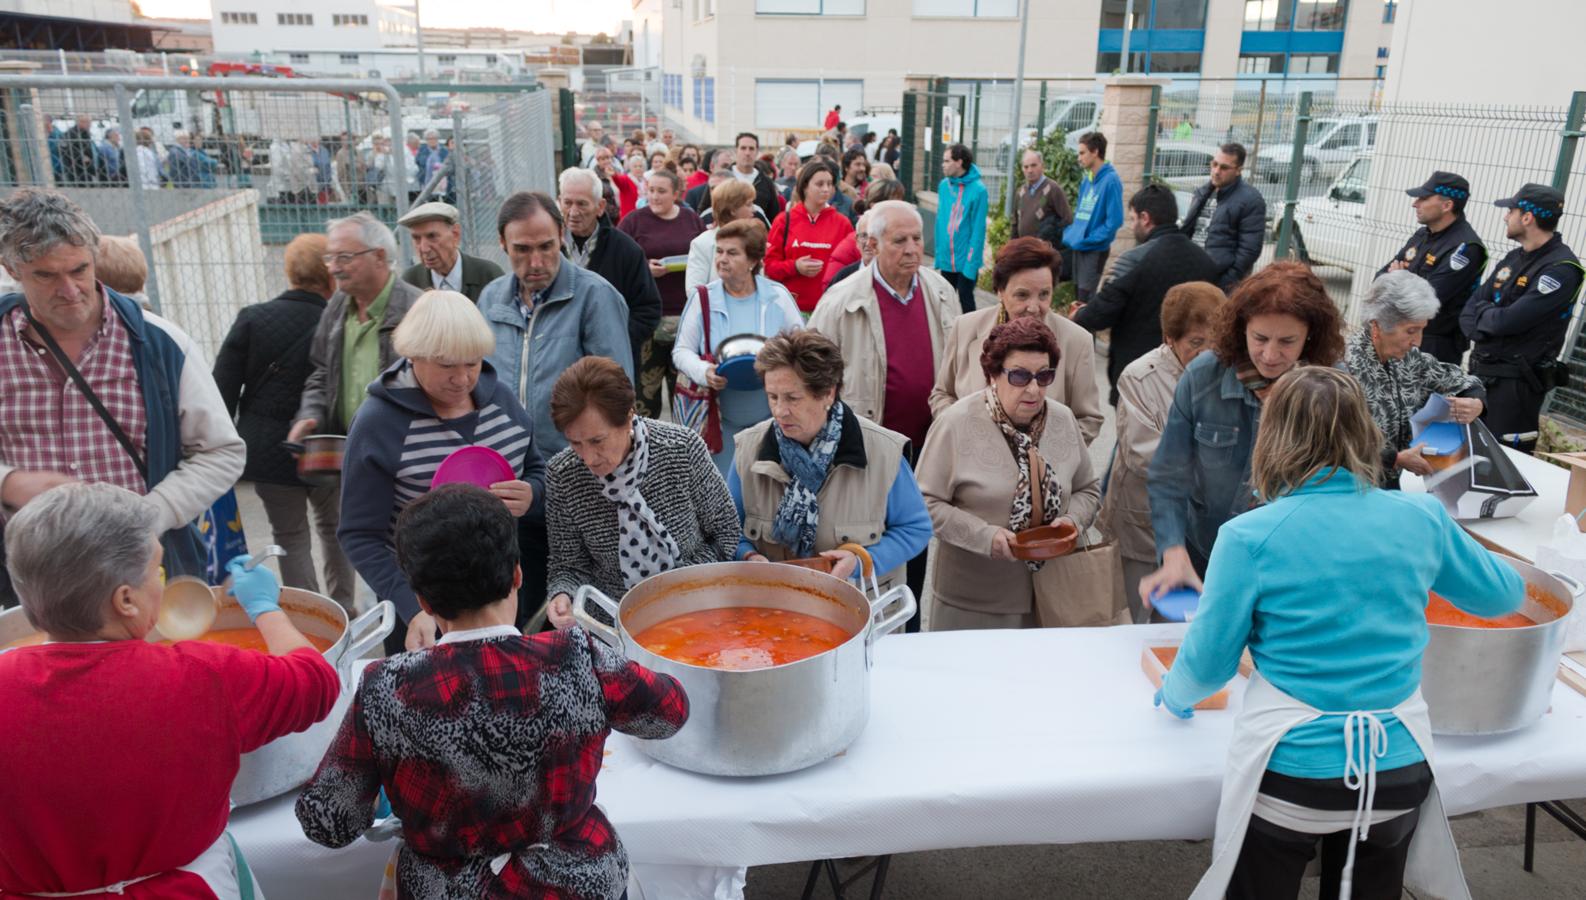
(557, 16)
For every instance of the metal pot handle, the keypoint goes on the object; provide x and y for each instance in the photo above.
(591, 624)
(897, 618)
(360, 641)
(1575, 587)
(867, 570)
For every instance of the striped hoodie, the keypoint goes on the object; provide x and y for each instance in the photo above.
(393, 449)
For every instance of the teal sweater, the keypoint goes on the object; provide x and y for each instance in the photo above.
(1327, 586)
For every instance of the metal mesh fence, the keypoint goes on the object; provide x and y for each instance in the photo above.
(212, 180)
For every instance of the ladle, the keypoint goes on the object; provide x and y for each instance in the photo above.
(188, 605)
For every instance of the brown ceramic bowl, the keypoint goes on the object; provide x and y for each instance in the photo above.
(1046, 542)
(818, 563)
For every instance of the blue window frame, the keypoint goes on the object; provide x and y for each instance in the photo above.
(1293, 36)
(1166, 36)
(672, 90)
(705, 99)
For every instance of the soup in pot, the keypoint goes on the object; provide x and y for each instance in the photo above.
(1442, 612)
(741, 638)
(246, 638)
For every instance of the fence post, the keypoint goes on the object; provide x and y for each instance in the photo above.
(1261, 111)
(1040, 113)
(1570, 137)
(910, 147)
(134, 172)
(569, 129)
(460, 169)
(974, 128)
(1291, 191)
(1152, 114)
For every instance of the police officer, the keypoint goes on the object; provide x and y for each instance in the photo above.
(1447, 252)
(1519, 316)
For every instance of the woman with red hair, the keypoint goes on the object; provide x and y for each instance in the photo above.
(1003, 459)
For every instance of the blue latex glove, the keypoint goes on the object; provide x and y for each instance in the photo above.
(1181, 713)
(259, 591)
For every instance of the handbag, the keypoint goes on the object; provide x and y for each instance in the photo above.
(694, 405)
(1082, 589)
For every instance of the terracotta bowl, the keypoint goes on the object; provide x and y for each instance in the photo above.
(818, 563)
(1046, 542)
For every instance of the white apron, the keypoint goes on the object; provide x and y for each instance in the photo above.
(1433, 868)
(221, 866)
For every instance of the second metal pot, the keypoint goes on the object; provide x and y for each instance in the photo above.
(762, 721)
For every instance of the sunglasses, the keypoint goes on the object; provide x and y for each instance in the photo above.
(1022, 377)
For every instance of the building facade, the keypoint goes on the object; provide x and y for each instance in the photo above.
(780, 64)
(247, 27)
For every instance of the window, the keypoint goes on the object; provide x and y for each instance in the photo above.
(1390, 11)
(810, 7)
(1167, 36)
(490, 59)
(1382, 52)
(1112, 13)
(1177, 14)
(446, 59)
(782, 103)
(1266, 15)
(1261, 63)
(1172, 63)
(672, 90)
(1313, 64)
(294, 18)
(1295, 15)
(705, 99)
(239, 18)
(1382, 72)
(349, 20)
(349, 59)
(980, 9)
(299, 59)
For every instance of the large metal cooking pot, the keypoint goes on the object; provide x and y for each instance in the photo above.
(287, 762)
(1493, 680)
(761, 721)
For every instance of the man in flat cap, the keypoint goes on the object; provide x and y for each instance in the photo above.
(442, 265)
(1446, 252)
(1519, 317)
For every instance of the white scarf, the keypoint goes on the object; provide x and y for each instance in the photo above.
(644, 546)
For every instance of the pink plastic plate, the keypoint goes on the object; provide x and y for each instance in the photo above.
(473, 465)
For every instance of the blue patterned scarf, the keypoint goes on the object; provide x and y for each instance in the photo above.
(800, 510)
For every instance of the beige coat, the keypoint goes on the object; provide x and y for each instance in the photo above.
(853, 500)
(967, 475)
(847, 314)
(1145, 394)
(958, 374)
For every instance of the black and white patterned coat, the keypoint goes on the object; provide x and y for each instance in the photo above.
(1397, 389)
(682, 486)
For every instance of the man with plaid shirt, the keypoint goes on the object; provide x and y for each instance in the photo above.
(173, 441)
(488, 743)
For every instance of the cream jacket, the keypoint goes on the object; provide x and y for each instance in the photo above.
(847, 314)
(1145, 394)
(958, 373)
(967, 476)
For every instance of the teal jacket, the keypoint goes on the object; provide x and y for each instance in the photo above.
(961, 223)
(1327, 587)
(1099, 213)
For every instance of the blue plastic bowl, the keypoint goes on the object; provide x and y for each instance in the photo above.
(1177, 606)
(740, 374)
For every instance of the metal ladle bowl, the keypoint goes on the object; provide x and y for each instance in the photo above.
(187, 606)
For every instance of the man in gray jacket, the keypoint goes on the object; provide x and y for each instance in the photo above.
(1228, 217)
(369, 302)
(547, 314)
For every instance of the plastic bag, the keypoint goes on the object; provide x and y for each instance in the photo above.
(1565, 552)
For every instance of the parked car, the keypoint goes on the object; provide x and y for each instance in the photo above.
(1332, 144)
(1072, 114)
(1184, 166)
(1327, 229)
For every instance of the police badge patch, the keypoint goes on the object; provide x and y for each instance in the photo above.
(1502, 275)
(1459, 260)
(1520, 282)
(1547, 284)
(1409, 253)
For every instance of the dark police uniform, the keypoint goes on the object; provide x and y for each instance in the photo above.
(1450, 260)
(1518, 320)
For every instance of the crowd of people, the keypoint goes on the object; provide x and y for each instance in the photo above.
(878, 406)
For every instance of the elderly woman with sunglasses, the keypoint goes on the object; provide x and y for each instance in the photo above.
(990, 460)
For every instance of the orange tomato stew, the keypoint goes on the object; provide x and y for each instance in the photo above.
(741, 638)
(1441, 612)
(251, 639)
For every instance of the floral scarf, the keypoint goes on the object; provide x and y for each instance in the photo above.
(644, 546)
(799, 513)
(1023, 442)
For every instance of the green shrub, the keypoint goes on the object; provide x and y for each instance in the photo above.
(1062, 166)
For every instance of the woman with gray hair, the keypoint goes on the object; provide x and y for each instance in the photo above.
(121, 751)
(1385, 355)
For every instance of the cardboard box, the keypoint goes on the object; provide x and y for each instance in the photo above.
(1575, 496)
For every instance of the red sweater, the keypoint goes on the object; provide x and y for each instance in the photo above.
(910, 375)
(119, 756)
(847, 251)
(816, 237)
(627, 193)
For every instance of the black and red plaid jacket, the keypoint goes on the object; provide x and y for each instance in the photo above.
(488, 750)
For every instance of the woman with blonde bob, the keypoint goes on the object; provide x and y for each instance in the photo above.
(1327, 584)
(440, 397)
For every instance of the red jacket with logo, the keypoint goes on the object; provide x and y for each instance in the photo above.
(795, 234)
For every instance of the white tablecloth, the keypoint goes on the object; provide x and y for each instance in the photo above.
(1519, 535)
(975, 739)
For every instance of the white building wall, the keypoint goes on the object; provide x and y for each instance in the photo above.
(269, 33)
(92, 10)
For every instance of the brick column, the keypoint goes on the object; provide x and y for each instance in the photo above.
(1126, 121)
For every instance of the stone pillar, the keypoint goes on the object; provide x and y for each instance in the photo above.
(915, 142)
(1126, 121)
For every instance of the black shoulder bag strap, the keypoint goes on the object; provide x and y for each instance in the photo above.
(88, 393)
(277, 364)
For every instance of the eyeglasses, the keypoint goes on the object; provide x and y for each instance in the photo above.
(1021, 377)
(341, 259)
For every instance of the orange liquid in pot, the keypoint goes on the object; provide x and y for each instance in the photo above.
(741, 638)
(246, 638)
(1441, 612)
